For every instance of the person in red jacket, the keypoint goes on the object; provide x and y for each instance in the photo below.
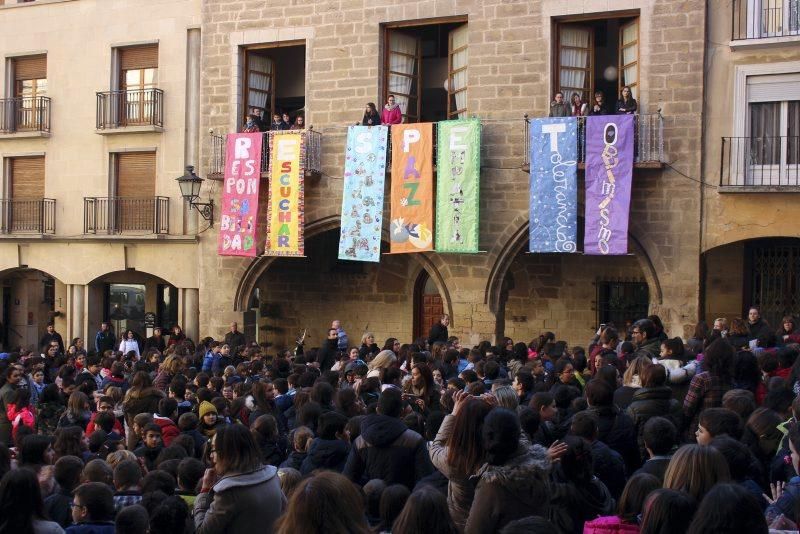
(20, 412)
(391, 114)
(167, 409)
(105, 405)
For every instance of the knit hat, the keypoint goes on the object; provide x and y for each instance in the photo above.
(207, 408)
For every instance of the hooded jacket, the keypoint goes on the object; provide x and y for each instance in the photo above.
(391, 115)
(616, 430)
(652, 347)
(653, 402)
(518, 488)
(241, 503)
(387, 449)
(328, 454)
(572, 504)
(169, 430)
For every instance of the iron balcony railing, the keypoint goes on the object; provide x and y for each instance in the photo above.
(762, 19)
(312, 154)
(760, 161)
(140, 107)
(115, 215)
(648, 140)
(28, 216)
(25, 114)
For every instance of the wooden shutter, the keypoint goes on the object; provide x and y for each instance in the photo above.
(260, 83)
(575, 60)
(27, 178)
(136, 174)
(30, 68)
(138, 57)
(457, 74)
(402, 72)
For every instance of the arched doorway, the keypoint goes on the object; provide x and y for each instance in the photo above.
(428, 305)
(758, 272)
(30, 300)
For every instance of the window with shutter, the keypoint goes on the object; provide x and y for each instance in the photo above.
(138, 75)
(30, 82)
(774, 126)
(136, 189)
(27, 178)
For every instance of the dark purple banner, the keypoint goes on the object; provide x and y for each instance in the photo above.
(609, 170)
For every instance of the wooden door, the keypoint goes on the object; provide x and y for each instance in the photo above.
(428, 306)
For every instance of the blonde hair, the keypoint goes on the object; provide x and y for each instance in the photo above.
(383, 360)
(172, 364)
(365, 336)
(696, 469)
(633, 374)
(289, 478)
(117, 457)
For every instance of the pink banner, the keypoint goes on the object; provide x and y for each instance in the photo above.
(237, 229)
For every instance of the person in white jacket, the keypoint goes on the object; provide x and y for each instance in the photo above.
(129, 344)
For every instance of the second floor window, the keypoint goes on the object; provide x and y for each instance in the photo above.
(774, 119)
(137, 78)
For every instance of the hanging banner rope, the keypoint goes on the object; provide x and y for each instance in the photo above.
(458, 167)
(411, 227)
(554, 185)
(237, 228)
(609, 172)
(285, 223)
(362, 198)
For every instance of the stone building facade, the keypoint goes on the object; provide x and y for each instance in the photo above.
(512, 49)
(751, 166)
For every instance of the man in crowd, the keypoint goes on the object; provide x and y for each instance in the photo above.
(234, 338)
(49, 336)
(104, 340)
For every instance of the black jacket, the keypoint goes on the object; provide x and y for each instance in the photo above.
(609, 467)
(58, 507)
(572, 504)
(327, 354)
(627, 108)
(49, 338)
(757, 329)
(617, 431)
(273, 452)
(388, 450)
(328, 454)
(295, 460)
(655, 466)
(653, 402)
(235, 339)
(371, 119)
(438, 333)
(155, 342)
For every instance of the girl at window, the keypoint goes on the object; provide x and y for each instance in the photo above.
(371, 116)
(626, 105)
(599, 106)
(579, 107)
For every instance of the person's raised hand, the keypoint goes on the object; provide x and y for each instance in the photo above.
(557, 450)
(459, 399)
(776, 490)
(209, 479)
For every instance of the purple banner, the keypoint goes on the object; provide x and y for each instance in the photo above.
(609, 170)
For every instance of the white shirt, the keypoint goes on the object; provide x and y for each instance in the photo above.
(128, 345)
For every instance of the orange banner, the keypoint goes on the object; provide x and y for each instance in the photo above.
(411, 226)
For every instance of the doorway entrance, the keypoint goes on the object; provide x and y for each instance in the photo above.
(428, 305)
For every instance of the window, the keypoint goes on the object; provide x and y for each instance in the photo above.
(425, 68)
(774, 123)
(275, 80)
(773, 282)
(621, 302)
(772, 18)
(596, 55)
(135, 189)
(167, 307)
(138, 76)
(27, 178)
(125, 307)
(30, 84)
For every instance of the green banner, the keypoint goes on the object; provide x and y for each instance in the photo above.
(458, 169)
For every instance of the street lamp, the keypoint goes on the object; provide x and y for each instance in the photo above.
(190, 185)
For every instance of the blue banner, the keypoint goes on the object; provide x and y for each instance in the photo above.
(554, 189)
(362, 200)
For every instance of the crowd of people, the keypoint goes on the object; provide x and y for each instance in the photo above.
(254, 121)
(577, 107)
(635, 432)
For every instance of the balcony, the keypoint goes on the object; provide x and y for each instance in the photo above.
(115, 215)
(25, 117)
(760, 164)
(765, 22)
(648, 142)
(130, 111)
(312, 155)
(34, 216)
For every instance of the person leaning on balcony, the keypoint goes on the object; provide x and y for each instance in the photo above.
(371, 116)
(579, 108)
(599, 106)
(251, 124)
(391, 114)
(299, 123)
(626, 105)
(559, 108)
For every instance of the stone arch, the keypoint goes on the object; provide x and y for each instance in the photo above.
(251, 274)
(506, 250)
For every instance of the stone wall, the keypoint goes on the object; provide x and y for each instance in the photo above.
(509, 75)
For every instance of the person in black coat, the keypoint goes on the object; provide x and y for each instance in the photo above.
(156, 341)
(386, 448)
(626, 105)
(371, 116)
(615, 428)
(234, 338)
(660, 437)
(756, 326)
(330, 449)
(599, 105)
(50, 336)
(607, 464)
(439, 331)
(653, 399)
(326, 356)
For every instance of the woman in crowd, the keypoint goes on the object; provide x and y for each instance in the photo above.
(695, 469)
(142, 397)
(239, 491)
(21, 505)
(78, 411)
(707, 388)
(667, 511)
